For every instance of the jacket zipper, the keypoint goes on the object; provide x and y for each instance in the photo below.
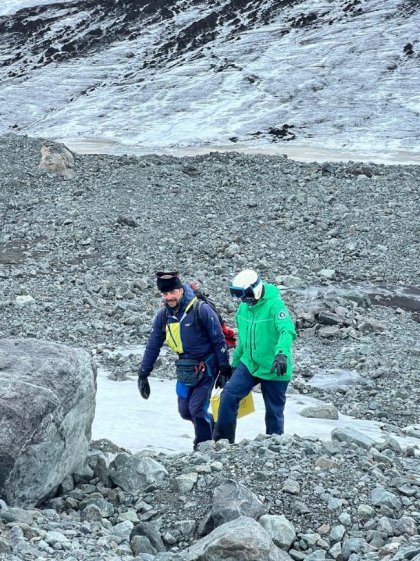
(250, 338)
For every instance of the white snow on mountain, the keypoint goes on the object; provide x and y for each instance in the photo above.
(144, 76)
(9, 7)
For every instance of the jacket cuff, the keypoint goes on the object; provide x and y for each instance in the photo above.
(143, 374)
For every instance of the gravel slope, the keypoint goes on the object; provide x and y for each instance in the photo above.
(78, 256)
(77, 263)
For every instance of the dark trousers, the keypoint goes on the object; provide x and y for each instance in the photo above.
(193, 404)
(240, 384)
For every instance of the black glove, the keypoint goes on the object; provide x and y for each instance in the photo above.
(144, 387)
(280, 365)
(225, 372)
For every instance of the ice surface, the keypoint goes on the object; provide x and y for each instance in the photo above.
(126, 419)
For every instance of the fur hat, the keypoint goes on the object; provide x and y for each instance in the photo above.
(168, 281)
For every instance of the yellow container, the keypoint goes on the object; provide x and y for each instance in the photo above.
(246, 405)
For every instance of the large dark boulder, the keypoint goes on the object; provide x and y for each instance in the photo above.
(242, 539)
(47, 406)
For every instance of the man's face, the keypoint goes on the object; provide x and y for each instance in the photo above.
(173, 297)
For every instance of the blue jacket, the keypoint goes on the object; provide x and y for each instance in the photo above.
(199, 339)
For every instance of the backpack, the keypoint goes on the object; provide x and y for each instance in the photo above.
(202, 298)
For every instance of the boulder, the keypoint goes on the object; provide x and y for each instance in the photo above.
(280, 530)
(134, 474)
(47, 404)
(352, 436)
(56, 158)
(232, 500)
(321, 411)
(242, 539)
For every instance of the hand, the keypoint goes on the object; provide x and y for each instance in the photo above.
(225, 372)
(144, 387)
(280, 364)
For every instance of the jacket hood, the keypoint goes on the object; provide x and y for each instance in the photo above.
(271, 292)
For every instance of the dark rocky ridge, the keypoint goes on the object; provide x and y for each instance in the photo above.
(105, 22)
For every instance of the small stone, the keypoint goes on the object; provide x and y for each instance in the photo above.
(365, 511)
(325, 463)
(323, 411)
(382, 497)
(329, 332)
(24, 301)
(327, 273)
(290, 281)
(337, 533)
(291, 486)
(345, 519)
(185, 483)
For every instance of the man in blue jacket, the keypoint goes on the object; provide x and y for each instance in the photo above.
(192, 329)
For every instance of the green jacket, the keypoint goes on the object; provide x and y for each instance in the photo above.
(264, 330)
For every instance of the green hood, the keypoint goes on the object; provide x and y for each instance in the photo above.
(264, 330)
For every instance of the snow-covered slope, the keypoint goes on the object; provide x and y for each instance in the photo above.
(341, 74)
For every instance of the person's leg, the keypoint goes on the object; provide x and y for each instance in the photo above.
(198, 405)
(239, 385)
(274, 394)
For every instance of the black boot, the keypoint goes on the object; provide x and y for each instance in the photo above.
(224, 431)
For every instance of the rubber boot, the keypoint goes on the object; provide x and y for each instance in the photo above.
(225, 431)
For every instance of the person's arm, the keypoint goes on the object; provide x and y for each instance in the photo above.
(154, 344)
(285, 328)
(214, 331)
(239, 349)
(238, 352)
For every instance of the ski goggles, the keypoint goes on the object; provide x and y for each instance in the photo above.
(241, 293)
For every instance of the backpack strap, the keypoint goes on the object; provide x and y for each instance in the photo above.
(164, 314)
(198, 320)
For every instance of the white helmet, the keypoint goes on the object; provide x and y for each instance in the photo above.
(247, 286)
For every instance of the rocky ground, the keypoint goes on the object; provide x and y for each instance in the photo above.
(77, 260)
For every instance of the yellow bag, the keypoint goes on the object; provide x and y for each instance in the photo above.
(246, 405)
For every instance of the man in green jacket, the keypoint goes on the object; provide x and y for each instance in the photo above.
(263, 355)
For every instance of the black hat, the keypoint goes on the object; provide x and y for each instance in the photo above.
(168, 281)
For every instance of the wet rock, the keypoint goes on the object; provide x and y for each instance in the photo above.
(360, 298)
